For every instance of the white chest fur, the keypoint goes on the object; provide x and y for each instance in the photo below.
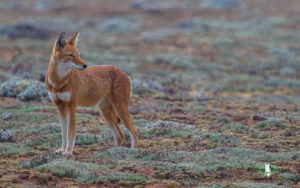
(64, 96)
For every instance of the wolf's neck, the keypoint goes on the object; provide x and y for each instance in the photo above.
(58, 71)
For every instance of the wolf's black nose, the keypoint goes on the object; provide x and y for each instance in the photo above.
(84, 66)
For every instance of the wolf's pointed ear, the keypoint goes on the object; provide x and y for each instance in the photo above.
(74, 39)
(61, 41)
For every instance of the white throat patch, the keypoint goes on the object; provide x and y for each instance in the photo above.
(63, 69)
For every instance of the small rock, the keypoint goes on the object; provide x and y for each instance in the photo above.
(258, 118)
(43, 177)
(75, 152)
(6, 135)
(221, 4)
(289, 133)
(6, 116)
(24, 174)
(42, 77)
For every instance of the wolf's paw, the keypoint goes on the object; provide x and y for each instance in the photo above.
(59, 151)
(67, 153)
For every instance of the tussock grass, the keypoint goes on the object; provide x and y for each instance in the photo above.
(270, 123)
(290, 176)
(54, 139)
(219, 138)
(8, 149)
(87, 172)
(236, 127)
(257, 185)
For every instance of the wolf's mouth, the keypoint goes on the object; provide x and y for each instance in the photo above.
(73, 65)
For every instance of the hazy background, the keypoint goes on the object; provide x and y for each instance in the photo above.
(196, 47)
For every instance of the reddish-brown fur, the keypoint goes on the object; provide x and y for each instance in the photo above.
(104, 85)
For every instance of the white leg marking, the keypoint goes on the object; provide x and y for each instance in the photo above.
(52, 96)
(71, 142)
(64, 125)
(64, 96)
(115, 132)
(64, 131)
(132, 140)
(115, 137)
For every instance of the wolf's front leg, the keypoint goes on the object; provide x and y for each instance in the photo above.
(63, 116)
(71, 130)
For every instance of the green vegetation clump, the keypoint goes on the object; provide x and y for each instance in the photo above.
(54, 139)
(290, 176)
(46, 140)
(141, 90)
(39, 160)
(270, 123)
(223, 120)
(236, 127)
(140, 123)
(257, 185)
(224, 139)
(287, 71)
(8, 149)
(86, 172)
(86, 139)
(49, 128)
(82, 172)
(163, 132)
(119, 153)
(36, 117)
(218, 138)
(275, 81)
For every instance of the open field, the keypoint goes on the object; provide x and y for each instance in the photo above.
(216, 93)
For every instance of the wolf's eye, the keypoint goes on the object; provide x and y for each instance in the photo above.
(71, 55)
